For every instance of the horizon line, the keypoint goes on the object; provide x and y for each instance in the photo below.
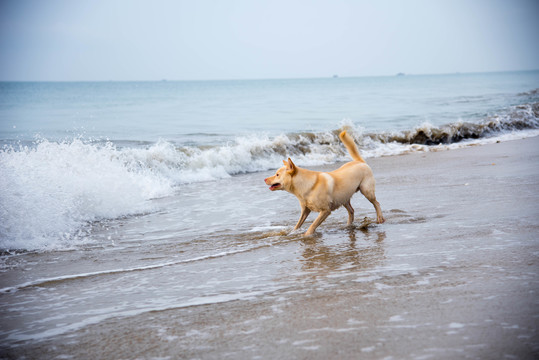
(334, 76)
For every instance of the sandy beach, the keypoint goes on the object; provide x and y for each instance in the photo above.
(136, 137)
(453, 273)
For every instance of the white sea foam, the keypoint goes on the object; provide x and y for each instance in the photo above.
(48, 192)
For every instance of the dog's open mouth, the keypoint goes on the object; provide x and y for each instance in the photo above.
(275, 186)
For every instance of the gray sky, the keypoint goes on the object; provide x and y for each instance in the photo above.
(248, 39)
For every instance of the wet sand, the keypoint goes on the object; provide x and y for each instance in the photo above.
(453, 273)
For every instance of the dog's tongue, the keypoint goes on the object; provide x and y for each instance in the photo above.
(274, 186)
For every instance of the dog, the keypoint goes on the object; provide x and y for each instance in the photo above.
(324, 192)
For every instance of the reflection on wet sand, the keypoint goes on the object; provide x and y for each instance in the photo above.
(364, 249)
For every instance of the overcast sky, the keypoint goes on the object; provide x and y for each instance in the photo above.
(247, 39)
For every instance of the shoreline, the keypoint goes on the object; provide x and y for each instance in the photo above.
(451, 274)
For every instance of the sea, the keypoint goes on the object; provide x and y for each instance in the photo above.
(126, 198)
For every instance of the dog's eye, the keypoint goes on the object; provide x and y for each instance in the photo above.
(277, 175)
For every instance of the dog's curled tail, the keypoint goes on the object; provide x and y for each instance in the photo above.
(350, 146)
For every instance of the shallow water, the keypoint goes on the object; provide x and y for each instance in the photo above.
(231, 253)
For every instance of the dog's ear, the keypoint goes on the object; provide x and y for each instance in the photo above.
(290, 167)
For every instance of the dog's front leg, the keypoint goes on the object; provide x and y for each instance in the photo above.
(304, 213)
(321, 217)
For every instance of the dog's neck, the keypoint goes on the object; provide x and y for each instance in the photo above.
(303, 182)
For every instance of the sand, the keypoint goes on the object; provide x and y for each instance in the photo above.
(453, 273)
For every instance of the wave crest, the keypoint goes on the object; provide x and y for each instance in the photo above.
(522, 117)
(48, 192)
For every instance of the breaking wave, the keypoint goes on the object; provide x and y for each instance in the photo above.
(51, 190)
(48, 193)
(521, 117)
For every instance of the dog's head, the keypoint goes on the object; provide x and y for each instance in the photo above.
(282, 180)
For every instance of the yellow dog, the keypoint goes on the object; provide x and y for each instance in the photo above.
(324, 192)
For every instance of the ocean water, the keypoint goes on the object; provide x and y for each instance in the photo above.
(89, 152)
(124, 198)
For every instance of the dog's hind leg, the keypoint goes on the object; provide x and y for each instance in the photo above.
(321, 217)
(367, 189)
(304, 213)
(350, 209)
